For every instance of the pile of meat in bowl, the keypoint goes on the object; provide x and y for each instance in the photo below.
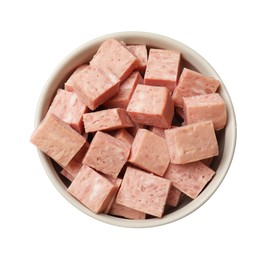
(134, 132)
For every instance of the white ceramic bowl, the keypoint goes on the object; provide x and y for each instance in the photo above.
(226, 139)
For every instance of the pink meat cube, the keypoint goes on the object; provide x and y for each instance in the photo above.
(174, 196)
(57, 139)
(75, 163)
(124, 136)
(107, 154)
(149, 152)
(123, 211)
(69, 108)
(152, 106)
(144, 192)
(192, 142)
(192, 83)
(116, 57)
(206, 107)
(189, 178)
(126, 90)
(140, 52)
(92, 189)
(69, 84)
(163, 68)
(95, 85)
(109, 119)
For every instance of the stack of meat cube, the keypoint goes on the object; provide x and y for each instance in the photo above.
(115, 128)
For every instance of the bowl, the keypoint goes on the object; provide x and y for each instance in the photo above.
(226, 138)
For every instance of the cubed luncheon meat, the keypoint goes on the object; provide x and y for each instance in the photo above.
(57, 139)
(107, 154)
(69, 84)
(116, 57)
(95, 85)
(193, 83)
(69, 108)
(192, 142)
(189, 178)
(144, 192)
(205, 107)
(163, 68)
(140, 52)
(123, 211)
(92, 189)
(149, 152)
(108, 119)
(152, 106)
(126, 90)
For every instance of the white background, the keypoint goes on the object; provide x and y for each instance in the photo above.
(36, 222)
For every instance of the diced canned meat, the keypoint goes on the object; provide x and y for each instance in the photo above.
(92, 189)
(192, 142)
(163, 68)
(95, 85)
(206, 107)
(69, 108)
(189, 178)
(149, 152)
(193, 83)
(152, 106)
(116, 57)
(144, 192)
(57, 139)
(108, 119)
(107, 154)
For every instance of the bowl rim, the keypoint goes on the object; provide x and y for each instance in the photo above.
(195, 59)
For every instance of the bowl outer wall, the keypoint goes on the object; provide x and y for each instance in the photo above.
(83, 55)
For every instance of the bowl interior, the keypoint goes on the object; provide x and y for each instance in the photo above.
(191, 59)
